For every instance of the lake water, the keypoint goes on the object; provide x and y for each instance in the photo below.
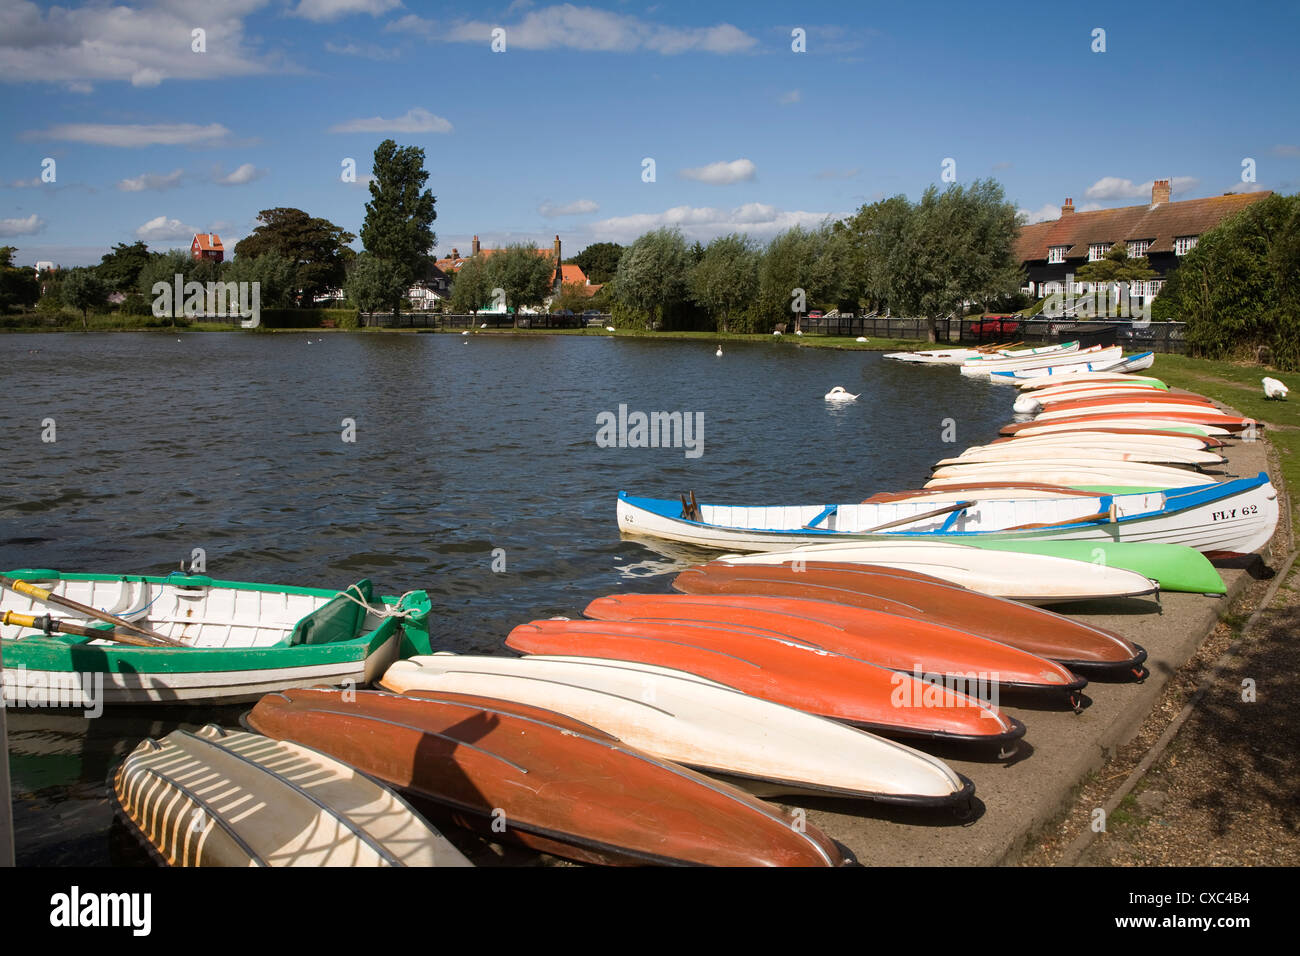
(233, 443)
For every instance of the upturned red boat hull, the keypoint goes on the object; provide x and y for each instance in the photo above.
(549, 780)
(797, 675)
(1044, 633)
(879, 636)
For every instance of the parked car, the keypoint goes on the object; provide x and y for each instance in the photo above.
(816, 314)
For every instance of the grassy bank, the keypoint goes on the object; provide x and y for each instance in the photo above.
(1240, 387)
(800, 341)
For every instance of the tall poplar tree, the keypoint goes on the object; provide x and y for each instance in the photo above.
(400, 213)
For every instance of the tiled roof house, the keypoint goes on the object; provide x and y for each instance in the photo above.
(1163, 231)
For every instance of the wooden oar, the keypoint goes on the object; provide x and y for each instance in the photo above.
(908, 520)
(1110, 514)
(51, 625)
(45, 597)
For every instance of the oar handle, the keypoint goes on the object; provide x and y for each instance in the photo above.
(48, 597)
(49, 625)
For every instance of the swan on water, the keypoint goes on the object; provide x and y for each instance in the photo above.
(839, 394)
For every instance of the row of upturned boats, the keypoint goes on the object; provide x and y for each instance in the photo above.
(834, 657)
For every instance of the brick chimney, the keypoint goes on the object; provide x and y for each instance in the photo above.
(557, 252)
(474, 248)
(1160, 191)
(1068, 208)
(455, 253)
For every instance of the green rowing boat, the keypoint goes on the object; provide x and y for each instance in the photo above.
(240, 640)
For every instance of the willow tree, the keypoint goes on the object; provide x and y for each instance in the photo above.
(400, 213)
(653, 272)
(523, 275)
(725, 279)
(951, 248)
(470, 289)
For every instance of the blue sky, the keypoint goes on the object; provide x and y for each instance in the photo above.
(153, 140)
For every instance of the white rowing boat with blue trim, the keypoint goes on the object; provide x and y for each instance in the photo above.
(1225, 519)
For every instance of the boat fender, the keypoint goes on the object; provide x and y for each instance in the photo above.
(1076, 702)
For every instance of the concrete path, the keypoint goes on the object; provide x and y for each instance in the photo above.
(1018, 796)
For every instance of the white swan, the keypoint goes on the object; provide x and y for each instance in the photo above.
(718, 353)
(466, 332)
(609, 328)
(483, 326)
(839, 394)
(862, 338)
(777, 333)
(1274, 389)
(798, 332)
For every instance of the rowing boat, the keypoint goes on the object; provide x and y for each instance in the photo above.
(240, 640)
(1114, 365)
(896, 642)
(957, 356)
(787, 671)
(1226, 519)
(986, 365)
(544, 779)
(1052, 636)
(220, 797)
(762, 746)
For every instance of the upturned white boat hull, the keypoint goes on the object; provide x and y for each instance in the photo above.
(697, 722)
(1068, 471)
(1032, 578)
(1132, 452)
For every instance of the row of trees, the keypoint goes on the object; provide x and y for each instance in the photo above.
(926, 258)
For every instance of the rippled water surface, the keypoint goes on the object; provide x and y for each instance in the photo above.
(464, 444)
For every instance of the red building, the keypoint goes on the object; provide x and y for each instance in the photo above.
(207, 245)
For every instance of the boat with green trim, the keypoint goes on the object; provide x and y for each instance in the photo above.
(1174, 567)
(240, 640)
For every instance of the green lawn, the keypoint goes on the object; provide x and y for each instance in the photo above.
(1240, 387)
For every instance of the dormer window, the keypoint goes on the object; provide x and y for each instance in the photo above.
(1184, 245)
(1097, 250)
(1137, 248)
(1056, 253)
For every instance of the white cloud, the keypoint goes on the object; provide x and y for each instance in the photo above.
(143, 44)
(324, 11)
(22, 227)
(369, 51)
(1288, 150)
(1112, 187)
(722, 173)
(162, 229)
(785, 99)
(566, 26)
(34, 183)
(242, 176)
(412, 24)
(706, 222)
(134, 134)
(159, 181)
(417, 120)
(578, 207)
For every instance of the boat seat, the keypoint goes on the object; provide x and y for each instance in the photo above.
(825, 513)
(338, 619)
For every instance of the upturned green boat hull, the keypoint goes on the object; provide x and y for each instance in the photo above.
(1173, 566)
